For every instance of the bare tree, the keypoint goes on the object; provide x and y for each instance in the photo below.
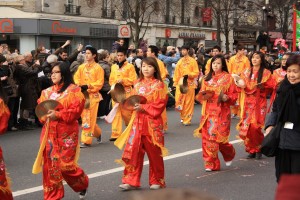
(282, 13)
(137, 14)
(223, 11)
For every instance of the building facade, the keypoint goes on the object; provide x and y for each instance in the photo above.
(26, 24)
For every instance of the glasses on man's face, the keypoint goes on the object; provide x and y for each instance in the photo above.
(57, 72)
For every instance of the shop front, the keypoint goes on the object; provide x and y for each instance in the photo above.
(177, 37)
(245, 37)
(27, 34)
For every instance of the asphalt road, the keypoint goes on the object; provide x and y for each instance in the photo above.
(244, 180)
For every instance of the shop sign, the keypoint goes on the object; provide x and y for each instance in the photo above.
(58, 28)
(200, 36)
(124, 31)
(206, 14)
(6, 26)
(244, 35)
(168, 33)
(214, 35)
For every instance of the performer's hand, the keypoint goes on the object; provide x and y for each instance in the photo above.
(84, 88)
(225, 97)
(51, 115)
(261, 86)
(137, 107)
(269, 129)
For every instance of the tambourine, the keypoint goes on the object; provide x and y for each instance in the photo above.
(42, 109)
(183, 84)
(130, 102)
(204, 95)
(117, 92)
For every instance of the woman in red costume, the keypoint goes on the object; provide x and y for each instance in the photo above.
(144, 132)
(5, 192)
(258, 83)
(279, 74)
(215, 120)
(60, 153)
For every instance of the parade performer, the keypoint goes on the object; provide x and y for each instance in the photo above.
(144, 132)
(59, 148)
(153, 52)
(5, 191)
(279, 74)
(258, 83)
(236, 65)
(185, 102)
(215, 120)
(124, 73)
(90, 77)
(216, 50)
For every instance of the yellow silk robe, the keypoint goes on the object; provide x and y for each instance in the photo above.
(185, 102)
(237, 65)
(93, 76)
(163, 73)
(128, 75)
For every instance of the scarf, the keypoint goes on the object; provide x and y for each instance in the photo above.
(120, 64)
(287, 96)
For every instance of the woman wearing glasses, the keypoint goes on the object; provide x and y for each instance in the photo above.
(60, 153)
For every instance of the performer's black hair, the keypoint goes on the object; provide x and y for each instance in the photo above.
(263, 65)
(66, 75)
(224, 66)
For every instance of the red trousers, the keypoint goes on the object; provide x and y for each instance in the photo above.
(253, 139)
(156, 168)
(52, 180)
(210, 153)
(5, 192)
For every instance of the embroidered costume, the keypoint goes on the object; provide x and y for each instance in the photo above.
(185, 102)
(145, 134)
(5, 191)
(91, 75)
(60, 153)
(215, 121)
(127, 74)
(254, 108)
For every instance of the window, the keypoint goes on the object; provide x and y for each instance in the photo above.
(197, 11)
(72, 2)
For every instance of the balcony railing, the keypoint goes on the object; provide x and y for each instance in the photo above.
(170, 19)
(108, 13)
(71, 9)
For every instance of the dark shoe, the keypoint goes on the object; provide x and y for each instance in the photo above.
(251, 155)
(83, 194)
(112, 139)
(99, 139)
(258, 155)
(84, 145)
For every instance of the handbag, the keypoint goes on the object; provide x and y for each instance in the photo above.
(270, 143)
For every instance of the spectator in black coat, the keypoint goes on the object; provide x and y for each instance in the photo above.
(286, 110)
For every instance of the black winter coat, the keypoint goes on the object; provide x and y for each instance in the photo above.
(289, 138)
